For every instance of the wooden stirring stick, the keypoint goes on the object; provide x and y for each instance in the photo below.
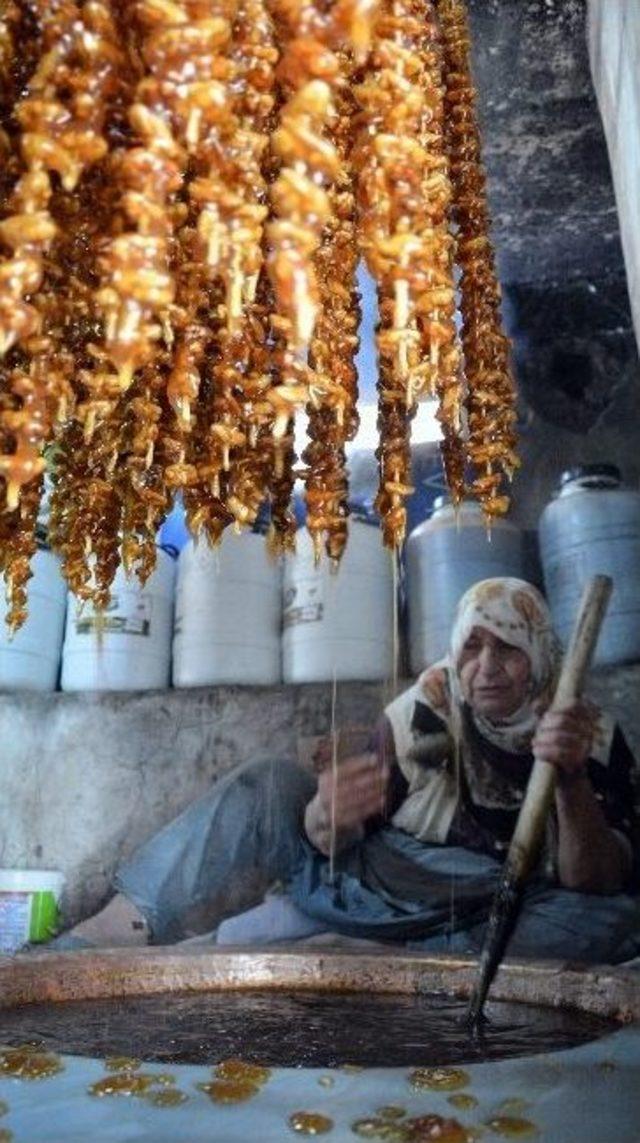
(525, 843)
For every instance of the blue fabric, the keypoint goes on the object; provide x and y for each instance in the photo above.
(219, 857)
(450, 909)
(222, 853)
(276, 919)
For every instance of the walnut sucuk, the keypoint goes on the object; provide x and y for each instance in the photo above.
(186, 187)
(17, 547)
(490, 388)
(138, 286)
(404, 195)
(333, 393)
(309, 164)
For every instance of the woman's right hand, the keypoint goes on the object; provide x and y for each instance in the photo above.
(355, 792)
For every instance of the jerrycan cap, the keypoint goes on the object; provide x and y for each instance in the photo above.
(591, 476)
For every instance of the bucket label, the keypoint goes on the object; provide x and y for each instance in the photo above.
(15, 920)
(303, 604)
(127, 614)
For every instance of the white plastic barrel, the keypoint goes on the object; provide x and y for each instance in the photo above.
(339, 622)
(593, 527)
(445, 556)
(128, 646)
(228, 611)
(31, 660)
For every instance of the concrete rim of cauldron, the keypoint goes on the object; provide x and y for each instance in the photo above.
(36, 978)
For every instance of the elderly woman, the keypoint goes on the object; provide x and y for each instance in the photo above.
(450, 776)
(405, 842)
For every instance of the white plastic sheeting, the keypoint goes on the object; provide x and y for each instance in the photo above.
(614, 48)
(589, 1094)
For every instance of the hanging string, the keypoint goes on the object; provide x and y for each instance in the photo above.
(334, 773)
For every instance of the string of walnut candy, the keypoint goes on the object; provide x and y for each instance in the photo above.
(193, 54)
(490, 397)
(333, 418)
(249, 296)
(186, 188)
(404, 194)
(10, 524)
(87, 501)
(61, 118)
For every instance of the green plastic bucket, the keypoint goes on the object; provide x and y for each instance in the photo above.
(29, 900)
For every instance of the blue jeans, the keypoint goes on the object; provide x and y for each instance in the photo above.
(221, 854)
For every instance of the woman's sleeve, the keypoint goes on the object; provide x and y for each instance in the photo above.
(616, 788)
(397, 786)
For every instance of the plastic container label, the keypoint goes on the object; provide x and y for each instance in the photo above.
(15, 916)
(26, 916)
(127, 614)
(303, 604)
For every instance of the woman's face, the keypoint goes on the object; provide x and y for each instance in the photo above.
(494, 675)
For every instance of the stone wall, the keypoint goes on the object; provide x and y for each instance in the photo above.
(557, 234)
(86, 778)
(578, 376)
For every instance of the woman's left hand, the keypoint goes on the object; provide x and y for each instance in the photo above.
(565, 736)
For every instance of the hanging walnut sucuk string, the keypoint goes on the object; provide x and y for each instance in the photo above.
(79, 68)
(17, 548)
(491, 392)
(28, 230)
(205, 495)
(86, 504)
(253, 468)
(333, 418)
(394, 450)
(281, 537)
(86, 508)
(384, 100)
(145, 496)
(11, 20)
(86, 511)
(301, 204)
(217, 199)
(185, 48)
(404, 195)
(139, 301)
(436, 303)
(62, 119)
(138, 286)
(255, 56)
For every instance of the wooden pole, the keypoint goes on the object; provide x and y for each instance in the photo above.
(525, 843)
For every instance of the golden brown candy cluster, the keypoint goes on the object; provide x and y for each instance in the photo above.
(235, 1081)
(490, 390)
(186, 189)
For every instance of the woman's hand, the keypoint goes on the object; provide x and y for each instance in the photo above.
(357, 791)
(564, 737)
(352, 795)
(592, 857)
